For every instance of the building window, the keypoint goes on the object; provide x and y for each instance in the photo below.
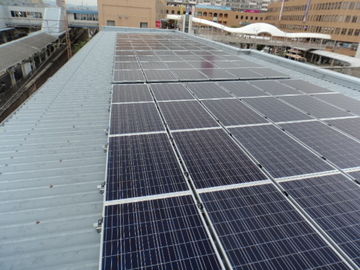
(225, 15)
(345, 5)
(357, 32)
(354, 19)
(237, 17)
(242, 17)
(350, 32)
(358, 5)
(341, 18)
(352, 5)
(205, 14)
(337, 31)
(199, 13)
(210, 14)
(347, 18)
(110, 23)
(343, 31)
(173, 12)
(143, 25)
(178, 12)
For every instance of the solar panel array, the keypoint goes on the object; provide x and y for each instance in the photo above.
(216, 162)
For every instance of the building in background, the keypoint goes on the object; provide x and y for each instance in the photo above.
(131, 13)
(340, 19)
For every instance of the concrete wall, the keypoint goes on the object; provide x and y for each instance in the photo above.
(131, 13)
(2, 18)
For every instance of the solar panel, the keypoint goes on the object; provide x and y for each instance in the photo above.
(276, 110)
(178, 65)
(170, 58)
(232, 112)
(181, 115)
(158, 75)
(158, 234)
(133, 75)
(244, 63)
(279, 154)
(153, 65)
(217, 74)
(207, 90)
(130, 93)
(189, 75)
(315, 107)
(336, 147)
(148, 58)
(342, 101)
(274, 88)
(142, 165)
(269, 73)
(259, 229)
(127, 65)
(225, 64)
(170, 91)
(125, 58)
(305, 87)
(242, 89)
(333, 202)
(244, 73)
(351, 126)
(201, 64)
(214, 159)
(134, 118)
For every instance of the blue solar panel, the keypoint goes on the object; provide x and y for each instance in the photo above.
(158, 234)
(170, 91)
(134, 118)
(214, 159)
(260, 230)
(142, 165)
(346, 103)
(351, 126)
(275, 88)
(277, 152)
(207, 90)
(305, 87)
(333, 202)
(242, 89)
(131, 93)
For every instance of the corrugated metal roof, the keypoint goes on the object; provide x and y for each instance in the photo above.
(16, 51)
(51, 162)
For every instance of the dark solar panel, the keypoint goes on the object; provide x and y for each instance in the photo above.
(333, 202)
(158, 234)
(201, 64)
(276, 110)
(135, 117)
(277, 152)
(274, 88)
(178, 65)
(244, 73)
(233, 112)
(214, 159)
(170, 58)
(306, 87)
(259, 229)
(356, 175)
(166, 52)
(133, 75)
(217, 74)
(269, 73)
(351, 126)
(225, 64)
(186, 115)
(342, 101)
(153, 65)
(207, 90)
(142, 165)
(170, 91)
(315, 107)
(242, 89)
(159, 75)
(125, 58)
(336, 147)
(189, 75)
(131, 93)
(148, 58)
(127, 65)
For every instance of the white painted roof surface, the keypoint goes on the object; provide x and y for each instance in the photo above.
(56, 138)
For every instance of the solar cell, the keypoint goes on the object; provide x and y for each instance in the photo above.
(201, 64)
(356, 175)
(214, 159)
(244, 73)
(242, 89)
(165, 52)
(170, 58)
(336, 147)
(351, 126)
(133, 75)
(269, 73)
(259, 229)
(333, 202)
(315, 107)
(153, 65)
(148, 58)
(225, 64)
(134, 118)
(276, 110)
(127, 65)
(342, 101)
(217, 74)
(186, 115)
(274, 88)
(142, 165)
(189, 75)
(131, 93)
(306, 87)
(178, 65)
(125, 58)
(170, 91)
(158, 234)
(159, 75)
(277, 152)
(207, 90)
(233, 112)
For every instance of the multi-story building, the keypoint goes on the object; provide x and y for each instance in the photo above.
(240, 5)
(131, 13)
(340, 19)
